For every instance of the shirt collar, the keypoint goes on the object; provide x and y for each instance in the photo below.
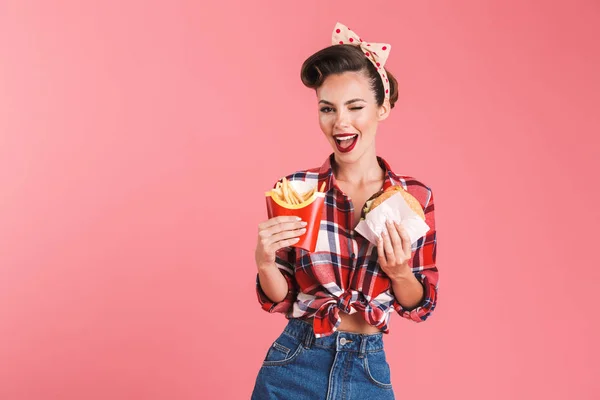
(326, 175)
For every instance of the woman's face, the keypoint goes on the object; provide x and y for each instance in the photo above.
(348, 110)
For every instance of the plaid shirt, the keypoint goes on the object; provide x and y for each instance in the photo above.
(343, 272)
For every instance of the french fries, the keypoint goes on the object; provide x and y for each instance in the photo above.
(286, 193)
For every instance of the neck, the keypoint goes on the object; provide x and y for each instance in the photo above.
(363, 171)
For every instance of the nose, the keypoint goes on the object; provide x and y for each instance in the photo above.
(341, 119)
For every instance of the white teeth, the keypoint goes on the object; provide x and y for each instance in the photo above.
(346, 138)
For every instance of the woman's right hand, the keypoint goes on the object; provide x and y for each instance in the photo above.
(274, 234)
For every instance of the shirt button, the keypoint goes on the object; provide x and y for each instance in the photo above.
(343, 341)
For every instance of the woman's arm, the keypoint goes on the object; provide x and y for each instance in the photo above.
(408, 291)
(416, 296)
(273, 283)
(412, 271)
(276, 286)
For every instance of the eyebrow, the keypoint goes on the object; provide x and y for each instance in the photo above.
(346, 103)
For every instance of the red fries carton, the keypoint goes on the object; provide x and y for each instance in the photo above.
(300, 199)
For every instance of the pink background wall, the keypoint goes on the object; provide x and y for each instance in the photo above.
(130, 132)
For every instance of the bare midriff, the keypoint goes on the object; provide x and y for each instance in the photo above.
(354, 323)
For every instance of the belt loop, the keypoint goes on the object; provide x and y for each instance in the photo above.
(363, 346)
(309, 337)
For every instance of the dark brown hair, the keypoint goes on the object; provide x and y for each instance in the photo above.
(340, 58)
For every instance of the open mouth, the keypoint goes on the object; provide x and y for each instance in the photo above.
(346, 143)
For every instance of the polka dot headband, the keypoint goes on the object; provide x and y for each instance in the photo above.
(377, 53)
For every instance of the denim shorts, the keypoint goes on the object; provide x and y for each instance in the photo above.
(345, 365)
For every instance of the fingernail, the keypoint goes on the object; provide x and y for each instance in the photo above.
(298, 219)
(303, 223)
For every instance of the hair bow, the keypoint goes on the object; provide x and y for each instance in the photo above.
(377, 53)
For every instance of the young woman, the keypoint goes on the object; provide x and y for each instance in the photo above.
(338, 299)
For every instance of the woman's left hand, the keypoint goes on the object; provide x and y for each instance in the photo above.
(394, 251)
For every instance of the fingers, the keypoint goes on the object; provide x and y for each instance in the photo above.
(281, 227)
(381, 250)
(396, 240)
(287, 234)
(277, 220)
(394, 245)
(284, 243)
(269, 245)
(277, 233)
(406, 245)
(388, 245)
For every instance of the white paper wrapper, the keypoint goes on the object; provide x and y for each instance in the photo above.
(396, 209)
(302, 186)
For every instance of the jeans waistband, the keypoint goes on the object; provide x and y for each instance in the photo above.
(339, 340)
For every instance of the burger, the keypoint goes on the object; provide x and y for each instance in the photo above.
(412, 202)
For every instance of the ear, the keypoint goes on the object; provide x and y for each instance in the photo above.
(384, 110)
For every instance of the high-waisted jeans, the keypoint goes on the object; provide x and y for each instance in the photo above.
(345, 365)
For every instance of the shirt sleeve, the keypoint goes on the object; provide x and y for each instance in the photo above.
(425, 269)
(285, 259)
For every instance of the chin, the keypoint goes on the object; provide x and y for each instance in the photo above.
(354, 155)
